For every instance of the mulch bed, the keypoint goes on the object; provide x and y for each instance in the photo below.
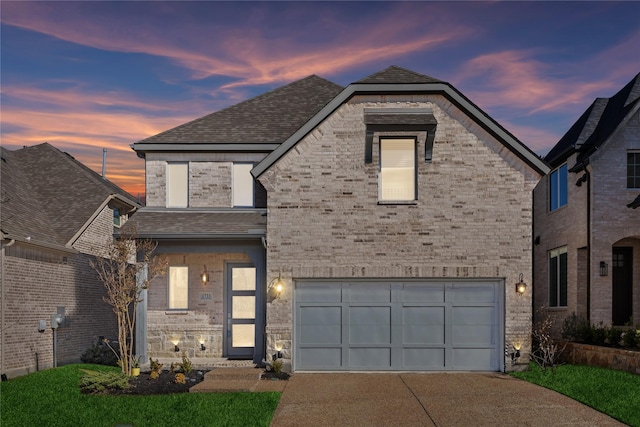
(164, 384)
(274, 376)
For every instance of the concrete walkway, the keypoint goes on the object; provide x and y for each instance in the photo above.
(426, 399)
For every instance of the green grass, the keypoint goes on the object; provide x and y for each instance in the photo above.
(53, 398)
(614, 393)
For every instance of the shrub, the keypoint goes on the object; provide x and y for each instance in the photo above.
(185, 366)
(180, 378)
(101, 381)
(545, 351)
(576, 328)
(598, 334)
(277, 366)
(614, 336)
(156, 368)
(631, 339)
(99, 354)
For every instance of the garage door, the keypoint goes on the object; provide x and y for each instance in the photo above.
(398, 326)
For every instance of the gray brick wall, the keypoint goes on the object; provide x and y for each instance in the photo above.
(472, 219)
(612, 223)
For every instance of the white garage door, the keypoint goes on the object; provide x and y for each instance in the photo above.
(454, 325)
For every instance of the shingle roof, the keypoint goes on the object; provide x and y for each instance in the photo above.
(49, 196)
(199, 223)
(596, 125)
(266, 119)
(398, 75)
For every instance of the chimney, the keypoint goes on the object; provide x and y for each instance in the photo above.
(104, 163)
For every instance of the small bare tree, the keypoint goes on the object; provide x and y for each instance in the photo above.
(546, 351)
(126, 267)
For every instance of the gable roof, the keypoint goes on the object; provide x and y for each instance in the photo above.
(399, 80)
(259, 123)
(49, 198)
(596, 125)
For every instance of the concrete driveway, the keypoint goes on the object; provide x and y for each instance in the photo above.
(427, 399)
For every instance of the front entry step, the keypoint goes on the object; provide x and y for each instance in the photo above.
(235, 380)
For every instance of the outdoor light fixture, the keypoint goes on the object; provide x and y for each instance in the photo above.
(202, 346)
(604, 268)
(276, 286)
(176, 348)
(204, 276)
(516, 354)
(521, 287)
(175, 343)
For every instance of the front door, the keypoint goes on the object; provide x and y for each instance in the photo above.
(622, 285)
(240, 311)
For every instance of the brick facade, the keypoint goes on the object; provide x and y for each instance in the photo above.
(36, 282)
(472, 219)
(612, 224)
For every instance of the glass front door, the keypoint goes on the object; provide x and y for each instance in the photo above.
(240, 311)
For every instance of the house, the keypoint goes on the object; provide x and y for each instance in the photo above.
(55, 216)
(586, 228)
(380, 226)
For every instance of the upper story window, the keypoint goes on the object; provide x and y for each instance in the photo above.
(633, 170)
(558, 188)
(242, 185)
(119, 218)
(397, 179)
(558, 277)
(177, 185)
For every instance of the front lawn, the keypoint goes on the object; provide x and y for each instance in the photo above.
(53, 398)
(614, 393)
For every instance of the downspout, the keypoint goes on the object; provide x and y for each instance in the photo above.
(588, 175)
(3, 304)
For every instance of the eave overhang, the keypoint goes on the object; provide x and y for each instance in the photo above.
(141, 148)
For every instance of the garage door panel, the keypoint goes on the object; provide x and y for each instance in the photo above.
(474, 359)
(473, 315)
(473, 335)
(472, 293)
(420, 293)
(370, 325)
(320, 325)
(319, 292)
(423, 325)
(423, 358)
(370, 358)
(321, 358)
(368, 293)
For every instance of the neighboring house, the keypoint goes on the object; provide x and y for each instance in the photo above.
(396, 213)
(586, 228)
(56, 214)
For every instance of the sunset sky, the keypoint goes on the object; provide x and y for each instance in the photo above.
(85, 76)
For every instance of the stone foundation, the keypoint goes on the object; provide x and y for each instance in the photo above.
(605, 357)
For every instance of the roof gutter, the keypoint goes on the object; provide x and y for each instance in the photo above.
(213, 236)
(142, 148)
(97, 212)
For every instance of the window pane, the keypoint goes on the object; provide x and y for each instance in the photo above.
(633, 170)
(177, 185)
(562, 280)
(397, 169)
(243, 279)
(243, 335)
(242, 184)
(553, 191)
(179, 287)
(553, 281)
(244, 307)
(562, 184)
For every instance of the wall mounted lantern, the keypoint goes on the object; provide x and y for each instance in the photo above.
(202, 346)
(516, 353)
(521, 287)
(175, 343)
(276, 286)
(204, 276)
(604, 268)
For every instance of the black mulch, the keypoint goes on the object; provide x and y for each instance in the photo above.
(270, 375)
(164, 384)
